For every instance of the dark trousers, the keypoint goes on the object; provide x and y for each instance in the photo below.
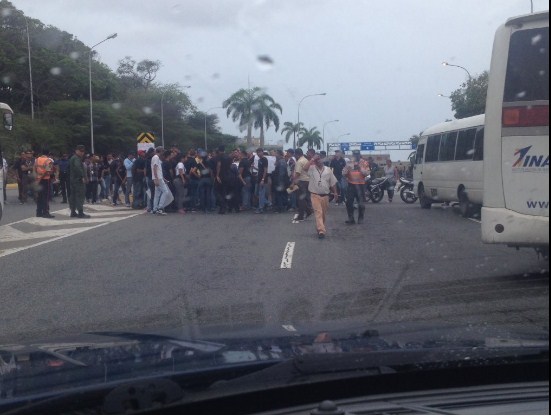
(43, 198)
(204, 191)
(76, 198)
(92, 191)
(64, 185)
(303, 199)
(355, 192)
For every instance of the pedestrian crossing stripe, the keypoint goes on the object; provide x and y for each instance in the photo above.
(16, 237)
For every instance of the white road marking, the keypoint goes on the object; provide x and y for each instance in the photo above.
(287, 260)
(289, 327)
(475, 220)
(50, 231)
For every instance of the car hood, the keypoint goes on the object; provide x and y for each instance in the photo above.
(47, 365)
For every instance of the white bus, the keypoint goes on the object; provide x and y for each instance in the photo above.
(448, 164)
(516, 172)
(7, 121)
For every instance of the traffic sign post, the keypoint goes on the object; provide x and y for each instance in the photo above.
(146, 140)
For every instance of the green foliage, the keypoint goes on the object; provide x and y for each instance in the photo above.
(125, 103)
(311, 137)
(470, 98)
(290, 128)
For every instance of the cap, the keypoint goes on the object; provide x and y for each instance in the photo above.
(80, 148)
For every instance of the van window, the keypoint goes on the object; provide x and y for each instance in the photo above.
(420, 154)
(465, 144)
(528, 66)
(447, 146)
(479, 145)
(433, 148)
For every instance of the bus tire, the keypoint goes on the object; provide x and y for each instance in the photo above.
(424, 200)
(466, 207)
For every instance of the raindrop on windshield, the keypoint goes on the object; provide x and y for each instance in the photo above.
(55, 71)
(6, 80)
(116, 106)
(215, 76)
(520, 95)
(147, 110)
(536, 39)
(75, 55)
(6, 12)
(265, 62)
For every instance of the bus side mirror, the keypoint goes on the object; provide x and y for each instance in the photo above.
(8, 121)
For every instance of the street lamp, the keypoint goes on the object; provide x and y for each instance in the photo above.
(340, 136)
(206, 114)
(90, 79)
(446, 64)
(441, 95)
(163, 117)
(326, 123)
(298, 113)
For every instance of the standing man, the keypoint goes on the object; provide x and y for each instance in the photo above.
(222, 181)
(337, 165)
(43, 172)
(355, 173)
(138, 177)
(302, 180)
(158, 180)
(322, 182)
(64, 176)
(77, 182)
(262, 180)
(5, 173)
(128, 163)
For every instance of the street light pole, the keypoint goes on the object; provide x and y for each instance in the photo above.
(441, 95)
(326, 123)
(90, 80)
(446, 64)
(206, 114)
(30, 68)
(298, 113)
(340, 136)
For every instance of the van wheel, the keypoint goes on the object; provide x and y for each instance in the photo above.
(466, 207)
(424, 200)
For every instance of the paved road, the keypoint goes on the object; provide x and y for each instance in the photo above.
(222, 275)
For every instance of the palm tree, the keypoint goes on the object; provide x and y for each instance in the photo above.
(312, 137)
(253, 108)
(294, 129)
(265, 115)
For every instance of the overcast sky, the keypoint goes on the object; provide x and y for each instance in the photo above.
(378, 61)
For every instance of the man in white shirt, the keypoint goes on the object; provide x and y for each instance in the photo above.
(128, 163)
(160, 185)
(322, 183)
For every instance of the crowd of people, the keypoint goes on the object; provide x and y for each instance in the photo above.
(162, 181)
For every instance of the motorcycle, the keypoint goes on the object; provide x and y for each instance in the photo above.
(407, 191)
(375, 189)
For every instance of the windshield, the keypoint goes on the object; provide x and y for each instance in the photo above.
(225, 174)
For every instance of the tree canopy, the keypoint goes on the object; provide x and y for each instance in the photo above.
(470, 98)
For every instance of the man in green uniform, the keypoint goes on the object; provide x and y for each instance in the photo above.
(78, 180)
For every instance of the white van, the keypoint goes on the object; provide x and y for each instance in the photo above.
(448, 164)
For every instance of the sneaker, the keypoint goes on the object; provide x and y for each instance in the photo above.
(259, 211)
(82, 215)
(321, 236)
(127, 205)
(160, 212)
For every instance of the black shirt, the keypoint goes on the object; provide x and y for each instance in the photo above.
(262, 168)
(225, 165)
(338, 165)
(246, 166)
(138, 169)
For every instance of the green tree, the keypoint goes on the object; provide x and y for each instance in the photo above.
(311, 137)
(265, 114)
(246, 105)
(290, 128)
(470, 98)
(138, 75)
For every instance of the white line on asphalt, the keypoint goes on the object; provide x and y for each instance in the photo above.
(475, 220)
(287, 261)
(289, 327)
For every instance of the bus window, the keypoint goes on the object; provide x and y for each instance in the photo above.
(433, 148)
(528, 66)
(447, 146)
(479, 145)
(465, 144)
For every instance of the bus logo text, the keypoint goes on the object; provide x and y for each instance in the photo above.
(530, 163)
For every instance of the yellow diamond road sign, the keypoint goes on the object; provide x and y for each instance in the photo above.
(146, 138)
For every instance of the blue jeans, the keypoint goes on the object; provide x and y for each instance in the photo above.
(128, 190)
(246, 193)
(160, 190)
(204, 191)
(262, 198)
